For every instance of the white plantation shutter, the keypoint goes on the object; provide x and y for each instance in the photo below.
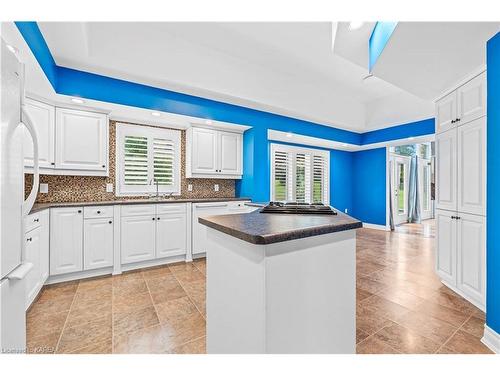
(163, 161)
(145, 154)
(280, 180)
(319, 179)
(299, 174)
(135, 160)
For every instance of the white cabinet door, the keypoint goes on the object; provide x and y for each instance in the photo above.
(472, 167)
(44, 245)
(446, 112)
(471, 97)
(230, 153)
(204, 151)
(43, 118)
(471, 256)
(98, 243)
(81, 140)
(199, 231)
(137, 238)
(66, 240)
(446, 239)
(171, 232)
(446, 170)
(33, 256)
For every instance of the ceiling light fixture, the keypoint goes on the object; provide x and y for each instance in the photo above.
(410, 138)
(289, 135)
(208, 122)
(156, 114)
(77, 100)
(354, 25)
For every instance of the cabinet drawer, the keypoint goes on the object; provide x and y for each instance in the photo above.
(170, 208)
(97, 212)
(138, 209)
(32, 221)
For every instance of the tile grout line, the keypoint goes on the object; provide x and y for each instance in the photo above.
(453, 334)
(188, 296)
(67, 317)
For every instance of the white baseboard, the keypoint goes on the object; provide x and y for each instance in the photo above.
(491, 339)
(375, 226)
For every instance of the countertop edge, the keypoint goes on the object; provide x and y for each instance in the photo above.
(43, 206)
(282, 236)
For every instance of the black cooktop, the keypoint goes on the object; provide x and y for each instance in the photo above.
(297, 208)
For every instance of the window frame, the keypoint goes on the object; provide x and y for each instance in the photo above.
(150, 133)
(291, 170)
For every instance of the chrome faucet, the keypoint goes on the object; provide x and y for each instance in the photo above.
(157, 187)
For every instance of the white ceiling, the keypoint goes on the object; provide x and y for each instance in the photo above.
(427, 58)
(284, 68)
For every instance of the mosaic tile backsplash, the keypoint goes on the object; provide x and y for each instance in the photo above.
(93, 189)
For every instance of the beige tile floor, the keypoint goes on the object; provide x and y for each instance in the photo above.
(401, 306)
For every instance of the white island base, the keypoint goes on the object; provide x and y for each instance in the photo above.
(297, 296)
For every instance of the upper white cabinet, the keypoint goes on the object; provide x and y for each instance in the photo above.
(462, 105)
(230, 151)
(446, 170)
(43, 117)
(471, 192)
(213, 153)
(71, 142)
(66, 240)
(446, 112)
(461, 189)
(81, 140)
(204, 151)
(471, 99)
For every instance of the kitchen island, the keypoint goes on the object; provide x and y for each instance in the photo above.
(280, 283)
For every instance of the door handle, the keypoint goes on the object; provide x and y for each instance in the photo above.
(20, 272)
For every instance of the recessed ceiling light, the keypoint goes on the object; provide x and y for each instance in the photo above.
(156, 114)
(77, 100)
(410, 138)
(344, 144)
(208, 122)
(354, 25)
(289, 135)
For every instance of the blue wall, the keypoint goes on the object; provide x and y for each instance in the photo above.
(369, 186)
(413, 129)
(349, 174)
(493, 186)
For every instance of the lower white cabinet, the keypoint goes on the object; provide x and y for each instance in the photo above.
(446, 240)
(160, 234)
(78, 244)
(36, 252)
(460, 253)
(171, 235)
(471, 262)
(66, 240)
(137, 238)
(210, 209)
(98, 243)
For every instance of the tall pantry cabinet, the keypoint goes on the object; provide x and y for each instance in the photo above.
(461, 190)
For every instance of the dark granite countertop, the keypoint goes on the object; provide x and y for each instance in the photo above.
(264, 229)
(42, 206)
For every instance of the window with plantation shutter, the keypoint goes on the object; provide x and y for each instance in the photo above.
(146, 156)
(299, 174)
(135, 160)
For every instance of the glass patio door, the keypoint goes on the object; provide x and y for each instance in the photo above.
(400, 182)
